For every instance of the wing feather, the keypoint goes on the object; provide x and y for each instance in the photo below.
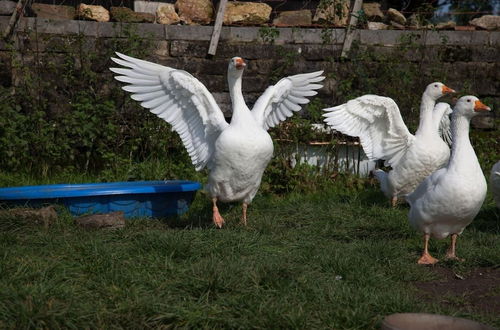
(280, 101)
(178, 98)
(441, 116)
(377, 122)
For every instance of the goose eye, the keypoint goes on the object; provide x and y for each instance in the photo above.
(468, 100)
(435, 85)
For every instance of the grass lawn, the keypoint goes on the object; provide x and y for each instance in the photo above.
(332, 259)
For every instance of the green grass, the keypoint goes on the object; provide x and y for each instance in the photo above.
(332, 259)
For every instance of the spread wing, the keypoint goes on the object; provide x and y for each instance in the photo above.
(280, 101)
(444, 123)
(377, 122)
(178, 98)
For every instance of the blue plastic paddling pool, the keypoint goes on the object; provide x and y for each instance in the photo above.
(135, 198)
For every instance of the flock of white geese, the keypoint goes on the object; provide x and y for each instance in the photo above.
(445, 189)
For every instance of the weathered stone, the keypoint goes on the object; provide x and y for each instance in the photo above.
(195, 11)
(189, 32)
(166, 14)
(396, 25)
(146, 6)
(334, 12)
(194, 49)
(53, 11)
(246, 13)
(487, 22)
(377, 26)
(294, 18)
(373, 12)
(162, 48)
(92, 13)
(127, 15)
(465, 28)
(46, 215)
(446, 25)
(108, 220)
(396, 16)
(7, 7)
(317, 52)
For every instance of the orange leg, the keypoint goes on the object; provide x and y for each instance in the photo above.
(426, 258)
(217, 218)
(244, 216)
(450, 254)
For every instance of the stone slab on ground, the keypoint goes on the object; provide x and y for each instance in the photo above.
(111, 220)
(43, 216)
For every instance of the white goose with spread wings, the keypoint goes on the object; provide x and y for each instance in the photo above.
(236, 154)
(377, 121)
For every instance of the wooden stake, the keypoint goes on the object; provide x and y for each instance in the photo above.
(14, 18)
(217, 27)
(351, 28)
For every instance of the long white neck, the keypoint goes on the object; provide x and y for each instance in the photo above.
(240, 109)
(425, 126)
(462, 156)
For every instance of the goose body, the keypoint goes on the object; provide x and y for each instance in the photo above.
(236, 153)
(425, 155)
(495, 183)
(239, 160)
(449, 199)
(377, 121)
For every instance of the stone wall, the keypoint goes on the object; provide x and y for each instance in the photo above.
(464, 60)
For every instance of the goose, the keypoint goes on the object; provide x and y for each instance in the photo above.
(447, 200)
(377, 121)
(495, 183)
(236, 153)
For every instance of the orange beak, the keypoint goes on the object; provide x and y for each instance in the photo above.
(447, 90)
(480, 106)
(240, 63)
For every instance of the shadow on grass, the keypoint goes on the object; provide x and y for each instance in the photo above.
(488, 220)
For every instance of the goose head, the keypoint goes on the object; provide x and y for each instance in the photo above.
(437, 89)
(469, 106)
(236, 67)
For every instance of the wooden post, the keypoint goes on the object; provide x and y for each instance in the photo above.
(14, 18)
(351, 28)
(217, 27)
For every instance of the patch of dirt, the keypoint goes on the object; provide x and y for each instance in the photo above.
(478, 290)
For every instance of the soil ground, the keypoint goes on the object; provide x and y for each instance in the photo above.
(476, 291)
